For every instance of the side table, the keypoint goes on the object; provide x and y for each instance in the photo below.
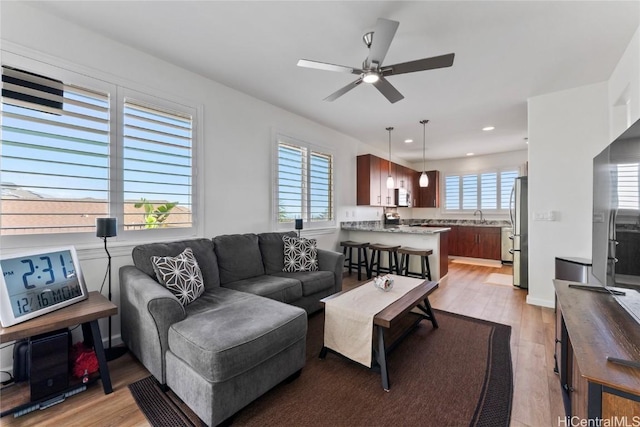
(85, 313)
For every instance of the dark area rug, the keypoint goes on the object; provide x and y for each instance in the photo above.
(457, 375)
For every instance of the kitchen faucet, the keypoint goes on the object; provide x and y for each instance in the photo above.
(481, 219)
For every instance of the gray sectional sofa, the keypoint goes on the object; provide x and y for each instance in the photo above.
(244, 335)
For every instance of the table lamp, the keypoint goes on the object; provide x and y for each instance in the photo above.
(299, 225)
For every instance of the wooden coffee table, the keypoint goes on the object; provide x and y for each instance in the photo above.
(393, 321)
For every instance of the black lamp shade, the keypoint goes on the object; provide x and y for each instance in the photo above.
(298, 224)
(106, 227)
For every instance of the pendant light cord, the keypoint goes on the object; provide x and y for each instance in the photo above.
(389, 129)
(424, 139)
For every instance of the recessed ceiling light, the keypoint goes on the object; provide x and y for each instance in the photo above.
(470, 154)
(488, 128)
(408, 141)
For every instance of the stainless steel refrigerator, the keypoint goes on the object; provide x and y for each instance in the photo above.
(518, 213)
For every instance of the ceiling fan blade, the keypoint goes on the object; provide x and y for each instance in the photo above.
(387, 89)
(328, 67)
(419, 65)
(382, 38)
(337, 94)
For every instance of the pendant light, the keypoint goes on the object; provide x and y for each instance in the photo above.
(424, 179)
(390, 178)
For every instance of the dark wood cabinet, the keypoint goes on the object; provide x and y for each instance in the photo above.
(371, 185)
(369, 181)
(627, 252)
(592, 327)
(475, 242)
(428, 197)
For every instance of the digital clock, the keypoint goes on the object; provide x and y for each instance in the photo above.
(39, 282)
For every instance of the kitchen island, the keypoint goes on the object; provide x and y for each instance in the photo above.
(434, 238)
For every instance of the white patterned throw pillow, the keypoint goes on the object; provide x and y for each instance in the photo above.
(300, 254)
(181, 275)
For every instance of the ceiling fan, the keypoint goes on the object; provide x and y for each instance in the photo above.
(372, 71)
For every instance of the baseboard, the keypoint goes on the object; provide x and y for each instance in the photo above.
(541, 302)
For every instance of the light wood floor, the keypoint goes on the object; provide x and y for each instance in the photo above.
(536, 400)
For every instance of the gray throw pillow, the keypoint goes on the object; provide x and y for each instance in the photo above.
(300, 254)
(181, 275)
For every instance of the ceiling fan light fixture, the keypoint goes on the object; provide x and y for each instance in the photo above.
(370, 77)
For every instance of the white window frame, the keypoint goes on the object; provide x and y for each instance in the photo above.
(478, 174)
(300, 142)
(117, 88)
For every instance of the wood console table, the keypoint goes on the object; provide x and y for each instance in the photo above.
(85, 313)
(593, 326)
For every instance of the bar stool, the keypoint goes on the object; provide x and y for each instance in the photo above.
(424, 262)
(362, 253)
(377, 249)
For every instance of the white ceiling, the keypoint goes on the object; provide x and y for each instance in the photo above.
(506, 52)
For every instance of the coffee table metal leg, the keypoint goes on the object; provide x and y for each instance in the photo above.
(382, 359)
(429, 312)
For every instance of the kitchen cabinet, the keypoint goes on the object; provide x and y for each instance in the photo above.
(627, 252)
(371, 185)
(369, 181)
(476, 242)
(593, 326)
(428, 197)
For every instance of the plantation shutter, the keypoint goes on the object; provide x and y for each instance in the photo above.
(470, 192)
(292, 172)
(55, 155)
(489, 190)
(452, 192)
(507, 181)
(628, 188)
(320, 187)
(157, 167)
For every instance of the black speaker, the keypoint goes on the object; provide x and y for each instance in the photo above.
(49, 364)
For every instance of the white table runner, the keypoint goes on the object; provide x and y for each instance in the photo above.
(348, 318)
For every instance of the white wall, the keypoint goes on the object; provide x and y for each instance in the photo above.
(237, 131)
(566, 130)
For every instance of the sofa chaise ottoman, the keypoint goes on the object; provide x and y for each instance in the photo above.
(242, 336)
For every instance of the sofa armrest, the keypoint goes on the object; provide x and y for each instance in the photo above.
(148, 309)
(332, 261)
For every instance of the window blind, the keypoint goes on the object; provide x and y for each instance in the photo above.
(304, 184)
(489, 190)
(628, 187)
(55, 155)
(486, 190)
(507, 180)
(157, 167)
(320, 187)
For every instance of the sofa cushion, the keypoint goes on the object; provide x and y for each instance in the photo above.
(238, 257)
(300, 254)
(312, 281)
(236, 334)
(181, 275)
(282, 289)
(202, 250)
(272, 250)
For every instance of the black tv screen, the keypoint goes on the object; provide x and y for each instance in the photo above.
(616, 211)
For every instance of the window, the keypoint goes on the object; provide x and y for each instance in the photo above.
(157, 165)
(64, 162)
(304, 184)
(55, 159)
(488, 190)
(628, 188)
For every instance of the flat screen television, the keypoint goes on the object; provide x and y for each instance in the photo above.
(616, 215)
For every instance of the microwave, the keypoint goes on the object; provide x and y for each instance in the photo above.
(402, 197)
